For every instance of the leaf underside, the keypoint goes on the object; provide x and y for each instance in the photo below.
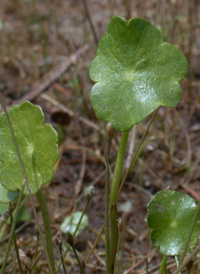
(37, 144)
(170, 215)
(135, 72)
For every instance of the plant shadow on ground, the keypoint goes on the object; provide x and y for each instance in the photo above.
(35, 38)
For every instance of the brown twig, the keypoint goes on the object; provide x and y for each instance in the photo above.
(90, 22)
(72, 114)
(53, 75)
(134, 265)
(95, 244)
(192, 192)
(35, 262)
(102, 262)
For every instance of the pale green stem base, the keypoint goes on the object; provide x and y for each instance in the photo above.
(114, 197)
(163, 265)
(177, 263)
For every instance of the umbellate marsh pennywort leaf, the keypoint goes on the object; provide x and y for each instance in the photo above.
(37, 144)
(70, 223)
(170, 215)
(7, 196)
(135, 72)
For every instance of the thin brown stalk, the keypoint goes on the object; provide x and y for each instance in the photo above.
(15, 242)
(90, 22)
(95, 244)
(34, 264)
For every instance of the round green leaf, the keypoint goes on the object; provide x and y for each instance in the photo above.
(3, 208)
(37, 144)
(70, 223)
(7, 196)
(170, 215)
(135, 72)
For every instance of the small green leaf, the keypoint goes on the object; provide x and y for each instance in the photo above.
(7, 196)
(135, 72)
(37, 144)
(170, 215)
(70, 223)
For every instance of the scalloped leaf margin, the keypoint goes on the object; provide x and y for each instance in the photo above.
(37, 143)
(170, 215)
(135, 72)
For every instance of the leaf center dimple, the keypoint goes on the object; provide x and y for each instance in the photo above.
(129, 76)
(30, 149)
(173, 223)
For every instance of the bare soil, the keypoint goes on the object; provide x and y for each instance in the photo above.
(37, 37)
